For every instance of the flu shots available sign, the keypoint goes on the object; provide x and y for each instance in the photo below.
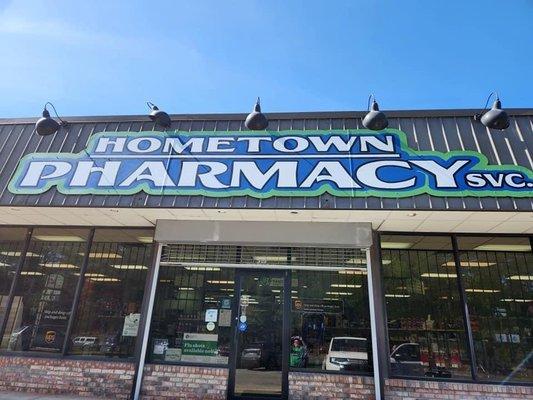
(357, 163)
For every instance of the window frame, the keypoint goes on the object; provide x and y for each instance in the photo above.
(463, 300)
(63, 354)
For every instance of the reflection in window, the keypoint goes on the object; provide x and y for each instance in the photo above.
(498, 280)
(44, 293)
(425, 324)
(192, 312)
(108, 314)
(11, 245)
(330, 319)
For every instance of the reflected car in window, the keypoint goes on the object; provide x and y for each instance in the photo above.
(406, 360)
(348, 354)
(85, 342)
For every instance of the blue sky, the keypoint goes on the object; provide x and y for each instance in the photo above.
(109, 57)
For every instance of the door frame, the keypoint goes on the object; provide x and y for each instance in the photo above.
(240, 273)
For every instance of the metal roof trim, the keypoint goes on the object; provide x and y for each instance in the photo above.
(274, 115)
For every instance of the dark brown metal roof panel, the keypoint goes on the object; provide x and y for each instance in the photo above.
(441, 130)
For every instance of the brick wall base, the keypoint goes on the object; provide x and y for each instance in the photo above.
(421, 390)
(83, 378)
(182, 382)
(113, 380)
(303, 385)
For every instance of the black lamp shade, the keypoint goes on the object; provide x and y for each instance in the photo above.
(496, 118)
(45, 125)
(375, 120)
(256, 120)
(160, 117)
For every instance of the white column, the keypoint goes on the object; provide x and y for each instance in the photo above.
(146, 331)
(378, 379)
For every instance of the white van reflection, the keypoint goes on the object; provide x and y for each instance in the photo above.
(347, 353)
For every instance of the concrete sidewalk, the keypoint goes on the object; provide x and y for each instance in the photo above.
(41, 396)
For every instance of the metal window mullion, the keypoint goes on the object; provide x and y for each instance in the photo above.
(77, 293)
(464, 309)
(286, 331)
(14, 283)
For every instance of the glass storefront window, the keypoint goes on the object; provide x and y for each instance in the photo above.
(498, 279)
(108, 314)
(425, 323)
(44, 293)
(330, 327)
(11, 245)
(191, 321)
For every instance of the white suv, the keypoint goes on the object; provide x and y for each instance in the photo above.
(347, 353)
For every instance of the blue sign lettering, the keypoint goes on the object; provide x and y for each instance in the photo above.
(288, 163)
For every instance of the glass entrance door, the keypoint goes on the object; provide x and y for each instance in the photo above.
(260, 365)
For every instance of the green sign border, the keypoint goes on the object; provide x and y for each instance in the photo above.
(482, 164)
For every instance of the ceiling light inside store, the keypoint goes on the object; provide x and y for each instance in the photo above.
(221, 282)
(185, 288)
(60, 266)
(352, 271)
(469, 264)
(145, 239)
(4, 264)
(357, 261)
(102, 255)
(225, 290)
(105, 279)
(438, 275)
(130, 266)
(517, 300)
(202, 268)
(482, 290)
(265, 259)
(93, 275)
(339, 293)
(18, 254)
(395, 245)
(398, 295)
(342, 285)
(521, 277)
(165, 280)
(503, 247)
(330, 299)
(58, 238)
(31, 273)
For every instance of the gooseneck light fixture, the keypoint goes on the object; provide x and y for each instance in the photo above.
(158, 116)
(256, 120)
(495, 118)
(46, 125)
(375, 120)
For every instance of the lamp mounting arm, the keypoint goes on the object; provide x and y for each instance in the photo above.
(478, 116)
(62, 122)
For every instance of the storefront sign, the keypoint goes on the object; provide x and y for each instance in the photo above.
(131, 325)
(318, 306)
(355, 163)
(211, 315)
(200, 347)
